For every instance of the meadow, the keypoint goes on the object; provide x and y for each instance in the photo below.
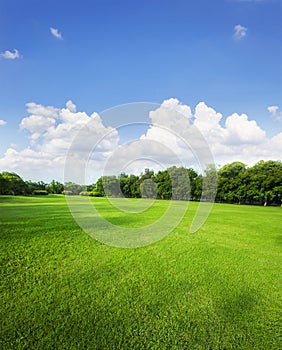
(220, 288)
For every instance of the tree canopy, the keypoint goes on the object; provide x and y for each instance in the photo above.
(234, 183)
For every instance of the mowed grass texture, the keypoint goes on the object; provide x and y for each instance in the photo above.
(217, 289)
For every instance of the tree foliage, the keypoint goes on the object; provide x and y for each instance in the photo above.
(259, 184)
(233, 183)
(12, 184)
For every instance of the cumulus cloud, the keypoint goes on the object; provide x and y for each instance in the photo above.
(56, 33)
(235, 138)
(71, 106)
(40, 121)
(240, 130)
(45, 111)
(207, 120)
(51, 131)
(177, 135)
(273, 110)
(2, 122)
(9, 55)
(239, 32)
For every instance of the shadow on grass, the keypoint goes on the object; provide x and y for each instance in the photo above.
(238, 305)
(278, 240)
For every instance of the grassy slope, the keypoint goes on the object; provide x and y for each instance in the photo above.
(217, 289)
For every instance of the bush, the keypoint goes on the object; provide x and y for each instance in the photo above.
(40, 192)
(83, 193)
(95, 193)
(68, 193)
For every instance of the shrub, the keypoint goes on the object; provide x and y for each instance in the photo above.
(67, 193)
(95, 193)
(40, 192)
(83, 193)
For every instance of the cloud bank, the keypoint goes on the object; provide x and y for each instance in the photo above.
(51, 130)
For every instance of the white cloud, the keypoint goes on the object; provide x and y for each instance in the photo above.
(45, 111)
(241, 130)
(239, 32)
(37, 125)
(2, 122)
(9, 55)
(172, 138)
(71, 106)
(273, 110)
(40, 121)
(173, 103)
(236, 138)
(51, 132)
(56, 33)
(207, 120)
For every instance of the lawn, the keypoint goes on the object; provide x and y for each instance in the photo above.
(220, 288)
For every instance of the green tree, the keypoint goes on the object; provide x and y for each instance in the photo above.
(148, 174)
(129, 185)
(12, 184)
(124, 184)
(72, 188)
(147, 185)
(163, 182)
(262, 182)
(198, 187)
(134, 186)
(180, 182)
(209, 183)
(193, 176)
(230, 182)
(99, 189)
(111, 186)
(35, 186)
(4, 185)
(148, 188)
(55, 187)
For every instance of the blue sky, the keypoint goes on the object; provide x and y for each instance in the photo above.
(117, 52)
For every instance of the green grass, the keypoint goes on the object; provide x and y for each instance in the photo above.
(217, 289)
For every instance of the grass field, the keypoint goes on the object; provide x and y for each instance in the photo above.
(220, 288)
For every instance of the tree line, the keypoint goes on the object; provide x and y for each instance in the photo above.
(12, 184)
(236, 183)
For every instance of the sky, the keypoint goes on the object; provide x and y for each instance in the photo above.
(64, 64)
